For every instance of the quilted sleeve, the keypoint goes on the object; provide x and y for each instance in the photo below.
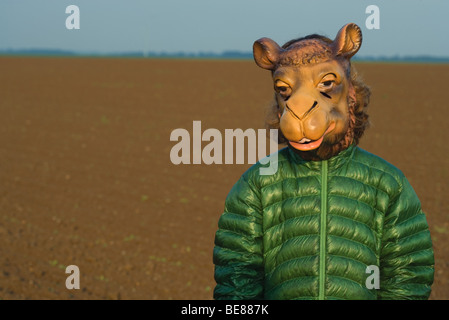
(407, 260)
(237, 255)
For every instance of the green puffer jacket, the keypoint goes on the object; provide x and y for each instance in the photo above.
(311, 230)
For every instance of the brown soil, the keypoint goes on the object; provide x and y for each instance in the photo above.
(86, 177)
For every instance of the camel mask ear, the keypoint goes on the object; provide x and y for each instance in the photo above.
(266, 53)
(348, 41)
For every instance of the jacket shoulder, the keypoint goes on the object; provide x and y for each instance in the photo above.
(377, 162)
(267, 170)
(378, 165)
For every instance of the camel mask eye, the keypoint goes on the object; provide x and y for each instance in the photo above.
(327, 84)
(283, 89)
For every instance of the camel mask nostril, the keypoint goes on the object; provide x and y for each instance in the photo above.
(315, 103)
(315, 68)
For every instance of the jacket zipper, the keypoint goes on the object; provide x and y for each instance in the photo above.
(323, 218)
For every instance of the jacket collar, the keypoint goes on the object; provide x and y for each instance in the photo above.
(333, 163)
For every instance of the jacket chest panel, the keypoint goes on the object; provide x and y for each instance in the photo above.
(292, 225)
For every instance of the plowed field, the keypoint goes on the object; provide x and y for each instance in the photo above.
(86, 177)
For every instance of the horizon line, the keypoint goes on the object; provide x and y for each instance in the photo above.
(227, 54)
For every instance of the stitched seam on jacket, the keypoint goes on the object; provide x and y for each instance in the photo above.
(374, 168)
(290, 238)
(266, 166)
(412, 235)
(333, 194)
(369, 205)
(332, 275)
(286, 178)
(239, 233)
(294, 197)
(399, 180)
(377, 210)
(292, 218)
(408, 253)
(289, 260)
(291, 279)
(357, 221)
(392, 201)
(251, 218)
(412, 217)
(375, 240)
(239, 252)
(255, 191)
(258, 193)
(367, 184)
(349, 258)
(332, 235)
(363, 164)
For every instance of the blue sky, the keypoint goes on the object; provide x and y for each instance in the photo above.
(407, 27)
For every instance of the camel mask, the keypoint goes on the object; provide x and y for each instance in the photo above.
(319, 102)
